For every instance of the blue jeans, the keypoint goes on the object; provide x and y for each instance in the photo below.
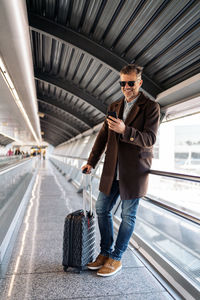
(104, 206)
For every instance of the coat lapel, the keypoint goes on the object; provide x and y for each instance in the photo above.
(132, 114)
(135, 109)
(119, 107)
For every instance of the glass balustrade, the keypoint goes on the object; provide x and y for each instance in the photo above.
(13, 185)
(5, 160)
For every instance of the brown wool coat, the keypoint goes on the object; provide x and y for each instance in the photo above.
(133, 150)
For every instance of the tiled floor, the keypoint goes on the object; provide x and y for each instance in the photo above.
(35, 271)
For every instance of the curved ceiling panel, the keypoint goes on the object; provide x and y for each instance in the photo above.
(79, 47)
(75, 124)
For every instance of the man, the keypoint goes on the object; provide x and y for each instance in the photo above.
(128, 141)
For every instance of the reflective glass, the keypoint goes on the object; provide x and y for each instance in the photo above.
(181, 194)
(173, 237)
(178, 146)
(13, 185)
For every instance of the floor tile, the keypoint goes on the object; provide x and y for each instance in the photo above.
(134, 296)
(71, 285)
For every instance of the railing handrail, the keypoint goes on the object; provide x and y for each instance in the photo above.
(176, 175)
(10, 156)
(154, 201)
(16, 165)
(153, 172)
(173, 210)
(70, 156)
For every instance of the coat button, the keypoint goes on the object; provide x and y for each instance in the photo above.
(131, 139)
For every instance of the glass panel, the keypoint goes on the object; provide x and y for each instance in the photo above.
(95, 187)
(181, 194)
(178, 146)
(13, 185)
(88, 143)
(176, 238)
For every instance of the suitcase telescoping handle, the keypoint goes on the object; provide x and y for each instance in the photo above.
(87, 184)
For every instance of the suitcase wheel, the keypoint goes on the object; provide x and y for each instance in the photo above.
(65, 268)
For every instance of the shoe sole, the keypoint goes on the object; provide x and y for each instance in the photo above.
(95, 268)
(109, 274)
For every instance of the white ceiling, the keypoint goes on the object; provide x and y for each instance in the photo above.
(11, 121)
(15, 51)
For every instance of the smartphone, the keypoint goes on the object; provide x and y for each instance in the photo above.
(112, 114)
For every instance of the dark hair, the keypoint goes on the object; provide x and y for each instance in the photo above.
(132, 68)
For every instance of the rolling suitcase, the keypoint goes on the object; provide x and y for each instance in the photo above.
(79, 235)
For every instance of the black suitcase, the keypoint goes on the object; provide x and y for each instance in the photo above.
(79, 236)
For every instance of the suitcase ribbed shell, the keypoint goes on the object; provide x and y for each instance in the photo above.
(78, 239)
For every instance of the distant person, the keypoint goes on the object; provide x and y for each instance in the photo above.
(44, 154)
(17, 151)
(128, 141)
(40, 153)
(10, 152)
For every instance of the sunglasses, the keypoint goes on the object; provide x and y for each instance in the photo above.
(123, 83)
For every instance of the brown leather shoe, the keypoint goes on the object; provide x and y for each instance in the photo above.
(98, 263)
(110, 267)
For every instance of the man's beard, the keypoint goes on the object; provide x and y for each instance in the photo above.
(131, 95)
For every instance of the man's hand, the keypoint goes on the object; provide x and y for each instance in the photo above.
(87, 168)
(116, 125)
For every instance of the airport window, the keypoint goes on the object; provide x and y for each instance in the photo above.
(179, 151)
(177, 148)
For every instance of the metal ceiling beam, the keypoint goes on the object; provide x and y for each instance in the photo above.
(55, 115)
(53, 142)
(68, 36)
(58, 124)
(50, 141)
(61, 123)
(48, 127)
(69, 110)
(72, 89)
(55, 137)
(56, 127)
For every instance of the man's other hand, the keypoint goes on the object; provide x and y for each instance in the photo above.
(86, 168)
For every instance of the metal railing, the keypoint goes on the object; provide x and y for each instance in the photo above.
(176, 175)
(170, 208)
(6, 160)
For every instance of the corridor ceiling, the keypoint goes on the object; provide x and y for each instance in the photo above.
(79, 47)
